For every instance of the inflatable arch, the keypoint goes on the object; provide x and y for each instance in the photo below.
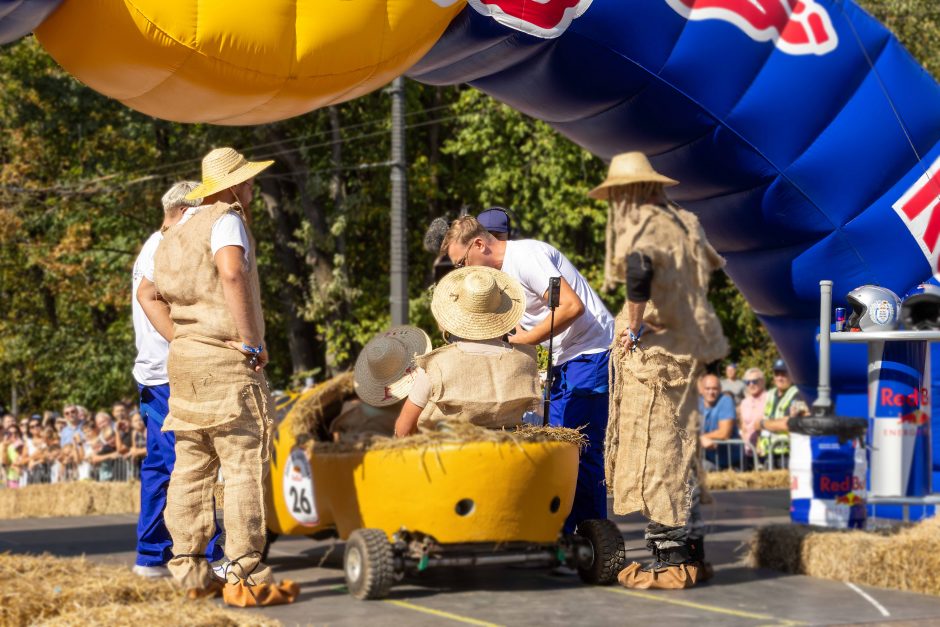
(805, 137)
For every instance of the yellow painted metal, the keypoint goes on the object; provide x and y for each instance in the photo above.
(240, 61)
(461, 493)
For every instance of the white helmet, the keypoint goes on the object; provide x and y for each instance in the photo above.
(874, 308)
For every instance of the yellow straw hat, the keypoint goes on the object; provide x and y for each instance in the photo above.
(628, 168)
(478, 303)
(223, 168)
(384, 370)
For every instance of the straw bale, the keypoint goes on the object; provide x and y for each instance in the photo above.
(46, 590)
(448, 433)
(313, 411)
(903, 558)
(758, 480)
(81, 498)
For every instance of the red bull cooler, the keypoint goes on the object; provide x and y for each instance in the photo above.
(899, 419)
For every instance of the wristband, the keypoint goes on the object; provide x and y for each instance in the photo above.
(253, 350)
(636, 337)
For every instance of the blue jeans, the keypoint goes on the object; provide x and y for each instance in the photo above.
(154, 545)
(579, 398)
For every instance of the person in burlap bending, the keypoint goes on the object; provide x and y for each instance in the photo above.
(207, 277)
(383, 377)
(665, 334)
(479, 378)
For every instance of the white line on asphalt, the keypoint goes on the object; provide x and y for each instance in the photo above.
(869, 598)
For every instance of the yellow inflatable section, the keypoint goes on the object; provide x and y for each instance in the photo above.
(240, 62)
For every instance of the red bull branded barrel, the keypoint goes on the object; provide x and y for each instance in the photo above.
(827, 481)
(899, 419)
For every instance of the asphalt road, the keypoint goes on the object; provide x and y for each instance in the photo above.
(738, 595)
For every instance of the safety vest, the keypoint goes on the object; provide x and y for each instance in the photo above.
(776, 443)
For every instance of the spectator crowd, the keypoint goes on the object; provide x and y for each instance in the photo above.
(74, 445)
(744, 424)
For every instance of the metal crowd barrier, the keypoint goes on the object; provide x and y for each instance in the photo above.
(113, 470)
(738, 455)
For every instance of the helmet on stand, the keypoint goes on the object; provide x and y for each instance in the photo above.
(920, 310)
(874, 308)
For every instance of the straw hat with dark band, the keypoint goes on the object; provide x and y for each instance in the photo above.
(478, 303)
(628, 168)
(223, 168)
(384, 370)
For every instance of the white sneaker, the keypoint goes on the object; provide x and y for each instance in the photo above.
(220, 568)
(564, 571)
(151, 572)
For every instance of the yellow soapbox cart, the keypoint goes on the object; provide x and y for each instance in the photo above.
(404, 510)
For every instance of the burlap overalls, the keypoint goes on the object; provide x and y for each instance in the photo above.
(487, 390)
(218, 408)
(652, 435)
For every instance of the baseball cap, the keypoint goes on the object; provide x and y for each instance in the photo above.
(780, 366)
(494, 220)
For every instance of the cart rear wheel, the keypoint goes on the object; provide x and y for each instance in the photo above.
(369, 564)
(609, 554)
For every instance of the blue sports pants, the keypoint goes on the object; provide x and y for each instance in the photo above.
(579, 399)
(154, 545)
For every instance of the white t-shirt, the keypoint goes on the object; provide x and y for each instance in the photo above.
(533, 263)
(152, 349)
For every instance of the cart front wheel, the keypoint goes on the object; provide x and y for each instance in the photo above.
(609, 554)
(369, 564)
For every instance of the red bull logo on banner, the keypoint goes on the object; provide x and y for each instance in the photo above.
(917, 208)
(541, 18)
(796, 27)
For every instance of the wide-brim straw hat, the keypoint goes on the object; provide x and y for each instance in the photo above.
(478, 303)
(626, 169)
(384, 372)
(223, 168)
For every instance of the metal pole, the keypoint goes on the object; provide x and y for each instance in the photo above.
(14, 401)
(823, 404)
(398, 297)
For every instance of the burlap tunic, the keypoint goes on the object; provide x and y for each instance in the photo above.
(489, 390)
(652, 434)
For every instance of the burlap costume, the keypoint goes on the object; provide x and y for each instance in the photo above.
(218, 407)
(489, 390)
(652, 435)
(359, 418)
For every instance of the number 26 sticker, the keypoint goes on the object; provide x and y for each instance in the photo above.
(298, 489)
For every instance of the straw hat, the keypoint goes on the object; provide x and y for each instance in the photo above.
(223, 168)
(627, 168)
(478, 303)
(384, 370)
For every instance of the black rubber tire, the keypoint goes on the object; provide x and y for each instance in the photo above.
(269, 538)
(609, 553)
(369, 564)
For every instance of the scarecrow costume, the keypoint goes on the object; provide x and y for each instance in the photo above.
(652, 463)
(478, 378)
(219, 405)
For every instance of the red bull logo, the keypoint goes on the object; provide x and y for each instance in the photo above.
(828, 485)
(849, 499)
(796, 27)
(916, 418)
(916, 399)
(917, 207)
(542, 18)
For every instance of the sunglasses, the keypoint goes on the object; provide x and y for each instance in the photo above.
(463, 260)
(751, 381)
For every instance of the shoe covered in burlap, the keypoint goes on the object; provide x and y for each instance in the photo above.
(242, 594)
(210, 591)
(659, 576)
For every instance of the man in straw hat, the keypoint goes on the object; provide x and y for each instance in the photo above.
(219, 404)
(667, 332)
(479, 378)
(383, 377)
(153, 540)
(583, 329)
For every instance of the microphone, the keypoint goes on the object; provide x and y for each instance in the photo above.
(434, 236)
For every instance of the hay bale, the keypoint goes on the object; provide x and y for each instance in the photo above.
(755, 480)
(450, 433)
(48, 590)
(313, 411)
(903, 558)
(80, 498)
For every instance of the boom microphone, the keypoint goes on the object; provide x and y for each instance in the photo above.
(434, 236)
